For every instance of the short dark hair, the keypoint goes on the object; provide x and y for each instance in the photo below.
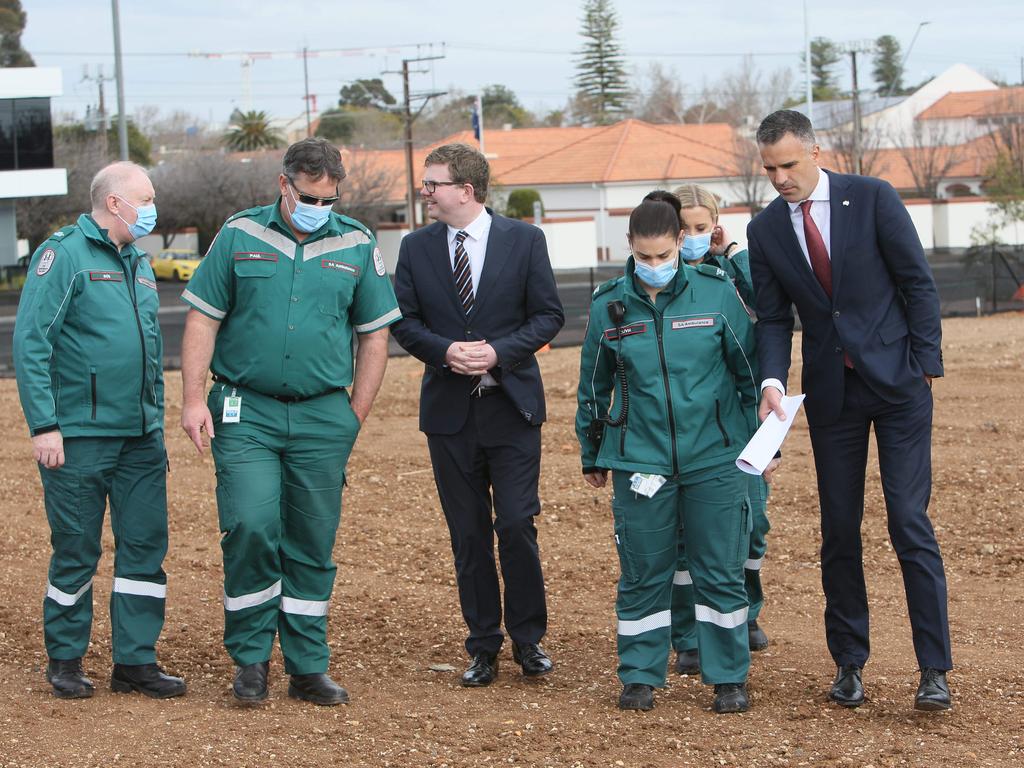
(657, 215)
(779, 123)
(466, 165)
(316, 157)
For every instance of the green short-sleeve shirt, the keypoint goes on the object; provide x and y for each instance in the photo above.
(288, 309)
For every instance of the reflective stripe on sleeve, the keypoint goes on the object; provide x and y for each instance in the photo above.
(303, 607)
(682, 578)
(204, 307)
(141, 588)
(253, 598)
(724, 620)
(63, 598)
(646, 624)
(380, 322)
(753, 565)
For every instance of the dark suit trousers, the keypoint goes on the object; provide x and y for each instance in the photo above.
(498, 453)
(903, 434)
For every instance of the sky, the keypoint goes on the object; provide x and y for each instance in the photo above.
(527, 45)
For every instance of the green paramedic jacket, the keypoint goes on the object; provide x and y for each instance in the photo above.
(87, 346)
(685, 361)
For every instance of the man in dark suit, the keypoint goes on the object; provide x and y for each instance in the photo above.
(478, 299)
(844, 250)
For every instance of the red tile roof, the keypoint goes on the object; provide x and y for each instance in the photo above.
(992, 103)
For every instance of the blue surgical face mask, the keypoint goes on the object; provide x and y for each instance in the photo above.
(656, 277)
(308, 218)
(695, 247)
(145, 219)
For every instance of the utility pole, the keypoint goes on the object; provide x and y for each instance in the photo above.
(101, 111)
(305, 77)
(408, 118)
(809, 96)
(864, 46)
(122, 118)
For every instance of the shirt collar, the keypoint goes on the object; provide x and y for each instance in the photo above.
(92, 230)
(820, 192)
(476, 229)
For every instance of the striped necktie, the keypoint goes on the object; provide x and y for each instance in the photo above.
(462, 272)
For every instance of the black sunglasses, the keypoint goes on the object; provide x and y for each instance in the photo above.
(313, 199)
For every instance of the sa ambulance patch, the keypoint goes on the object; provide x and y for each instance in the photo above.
(378, 262)
(45, 261)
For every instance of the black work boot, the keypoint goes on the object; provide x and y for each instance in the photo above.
(637, 696)
(731, 697)
(250, 685)
(147, 679)
(68, 679)
(317, 688)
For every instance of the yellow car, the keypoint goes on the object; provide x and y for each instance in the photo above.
(173, 264)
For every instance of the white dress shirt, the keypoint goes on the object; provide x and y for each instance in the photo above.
(822, 215)
(475, 244)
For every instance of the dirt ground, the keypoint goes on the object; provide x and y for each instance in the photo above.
(395, 614)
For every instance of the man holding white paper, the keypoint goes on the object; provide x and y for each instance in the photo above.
(844, 250)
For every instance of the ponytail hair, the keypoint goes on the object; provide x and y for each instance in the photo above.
(657, 215)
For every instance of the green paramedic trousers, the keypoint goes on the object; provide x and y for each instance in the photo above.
(712, 512)
(684, 629)
(280, 472)
(132, 473)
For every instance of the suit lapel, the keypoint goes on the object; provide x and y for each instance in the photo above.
(499, 245)
(839, 225)
(440, 258)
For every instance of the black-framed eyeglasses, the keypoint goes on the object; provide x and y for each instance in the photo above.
(430, 186)
(313, 199)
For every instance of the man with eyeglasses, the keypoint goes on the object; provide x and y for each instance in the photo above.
(478, 299)
(274, 305)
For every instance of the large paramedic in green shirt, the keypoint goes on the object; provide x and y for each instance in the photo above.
(274, 305)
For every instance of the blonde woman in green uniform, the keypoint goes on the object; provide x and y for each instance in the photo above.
(675, 346)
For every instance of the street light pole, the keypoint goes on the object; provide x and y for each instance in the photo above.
(906, 55)
(122, 119)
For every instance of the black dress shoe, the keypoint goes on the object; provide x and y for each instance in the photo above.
(532, 659)
(758, 639)
(147, 679)
(68, 679)
(847, 689)
(482, 671)
(688, 662)
(637, 696)
(250, 685)
(933, 692)
(317, 688)
(731, 697)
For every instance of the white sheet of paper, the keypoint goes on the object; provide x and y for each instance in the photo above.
(758, 453)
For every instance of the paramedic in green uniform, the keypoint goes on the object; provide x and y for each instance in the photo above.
(87, 352)
(705, 241)
(682, 341)
(274, 306)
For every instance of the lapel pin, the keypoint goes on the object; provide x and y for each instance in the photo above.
(846, 202)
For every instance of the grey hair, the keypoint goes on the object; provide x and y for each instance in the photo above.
(109, 181)
(779, 123)
(316, 157)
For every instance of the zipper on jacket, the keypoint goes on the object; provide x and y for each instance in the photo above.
(668, 392)
(721, 427)
(92, 391)
(142, 338)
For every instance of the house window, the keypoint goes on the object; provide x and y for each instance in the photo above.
(26, 134)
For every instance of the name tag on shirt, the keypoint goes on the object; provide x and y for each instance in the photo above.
(232, 409)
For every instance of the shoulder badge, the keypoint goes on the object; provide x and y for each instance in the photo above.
(378, 262)
(45, 261)
(606, 286)
(712, 271)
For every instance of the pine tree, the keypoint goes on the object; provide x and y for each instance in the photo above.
(12, 24)
(824, 56)
(602, 92)
(888, 71)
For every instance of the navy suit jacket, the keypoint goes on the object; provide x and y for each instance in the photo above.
(884, 310)
(516, 310)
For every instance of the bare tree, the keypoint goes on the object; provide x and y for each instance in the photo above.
(930, 149)
(659, 96)
(367, 192)
(843, 146)
(748, 179)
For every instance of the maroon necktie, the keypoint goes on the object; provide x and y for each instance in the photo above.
(821, 265)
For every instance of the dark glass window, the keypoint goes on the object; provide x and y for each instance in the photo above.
(26, 134)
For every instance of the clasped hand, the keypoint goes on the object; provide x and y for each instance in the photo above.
(471, 358)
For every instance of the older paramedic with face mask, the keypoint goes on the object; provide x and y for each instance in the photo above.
(87, 351)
